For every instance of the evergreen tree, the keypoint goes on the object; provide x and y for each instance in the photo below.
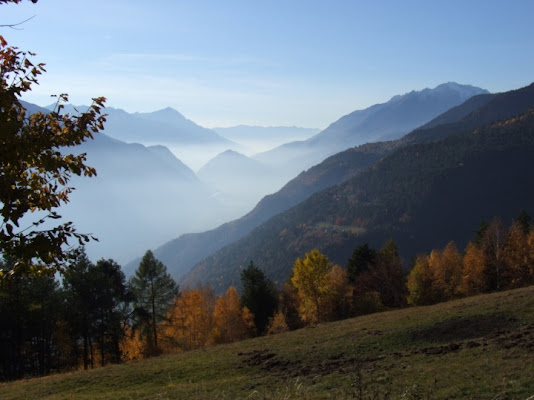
(154, 293)
(78, 286)
(385, 277)
(259, 296)
(363, 257)
(30, 307)
(99, 302)
(524, 220)
(111, 308)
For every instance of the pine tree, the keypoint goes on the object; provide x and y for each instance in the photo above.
(259, 296)
(154, 292)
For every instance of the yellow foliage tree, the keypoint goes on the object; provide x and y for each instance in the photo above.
(312, 281)
(133, 346)
(190, 321)
(277, 324)
(420, 282)
(474, 272)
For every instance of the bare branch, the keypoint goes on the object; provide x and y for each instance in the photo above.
(14, 26)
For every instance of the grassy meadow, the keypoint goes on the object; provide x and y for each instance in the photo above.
(475, 348)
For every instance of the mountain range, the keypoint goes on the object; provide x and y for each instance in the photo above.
(141, 197)
(434, 185)
(386, 121)
(256, 139)
(182, 253)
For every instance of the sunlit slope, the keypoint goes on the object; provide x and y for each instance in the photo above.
(422, 195)
(479, 347)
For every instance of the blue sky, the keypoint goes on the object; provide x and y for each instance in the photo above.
(303, 63)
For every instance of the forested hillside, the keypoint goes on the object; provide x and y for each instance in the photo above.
(421, 195)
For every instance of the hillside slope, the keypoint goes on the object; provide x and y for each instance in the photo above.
(422, 195)
(478, 348)
(182, 253)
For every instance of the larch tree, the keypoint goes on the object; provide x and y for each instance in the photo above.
(154, 292)
(446, 266)
(516, 257)
(312, 281)
(419, 283)
(474, 278)
(231, 321)
(190, 320)
(340, 299)
(277, 324)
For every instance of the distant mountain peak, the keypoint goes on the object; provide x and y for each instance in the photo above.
(464, 90)
(169, 110)
(231, 152)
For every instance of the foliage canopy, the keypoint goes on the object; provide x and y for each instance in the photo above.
(35, 169)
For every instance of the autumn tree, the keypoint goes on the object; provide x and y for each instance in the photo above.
(312, 281)
(36, 166)
(231, 322)
(419, 283)
(190, 320)
(277, 324)
(259, 296)
(340, 299)
(517, 258)
(474, 278)
(154, 292)
(446, 267)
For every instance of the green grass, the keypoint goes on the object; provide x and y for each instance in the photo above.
(475, 348)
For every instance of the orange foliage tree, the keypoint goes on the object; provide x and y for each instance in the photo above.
(231, 322)
(446, 267)
(474, 272)
(190, 320)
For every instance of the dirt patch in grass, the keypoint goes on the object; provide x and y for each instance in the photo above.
(476, 326)
(275, 365)
(451, 336)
